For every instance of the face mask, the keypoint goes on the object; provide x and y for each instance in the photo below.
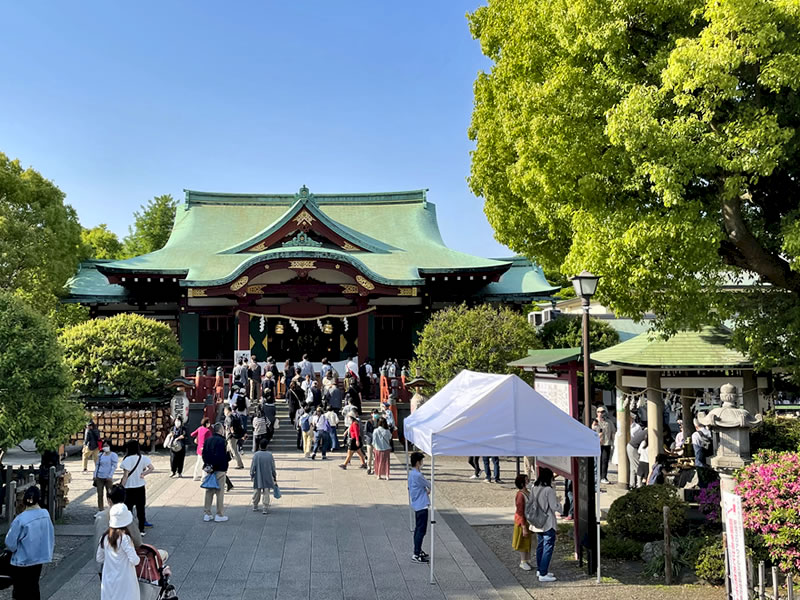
(107, 449)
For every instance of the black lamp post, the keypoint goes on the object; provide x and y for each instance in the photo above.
(585, 287)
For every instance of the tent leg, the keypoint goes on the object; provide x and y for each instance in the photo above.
(410, 510)
(433, 513)
(597, 517)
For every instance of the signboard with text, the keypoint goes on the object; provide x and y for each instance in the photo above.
(736, 551)
(558, 393)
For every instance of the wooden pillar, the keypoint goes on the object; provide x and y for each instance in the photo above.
(244, 331)
(623, 432)
(687, 399)
(655, 416)
(363, 337)
(750, 392)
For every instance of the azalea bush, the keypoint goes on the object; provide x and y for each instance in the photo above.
(709, 501)
(125, 355)
(770, 491)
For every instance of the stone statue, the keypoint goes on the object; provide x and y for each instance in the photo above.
(733, 425)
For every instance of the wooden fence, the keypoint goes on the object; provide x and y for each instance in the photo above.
(18, 480)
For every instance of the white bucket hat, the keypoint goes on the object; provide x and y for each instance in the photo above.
(119, 516)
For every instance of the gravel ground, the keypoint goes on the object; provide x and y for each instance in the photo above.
(620, 578)
(83, 506)
(453, 480)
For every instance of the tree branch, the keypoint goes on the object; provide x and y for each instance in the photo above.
(743, 250)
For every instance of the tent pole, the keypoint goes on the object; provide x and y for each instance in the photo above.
(433, 513)
(408, 470)
(597, 517)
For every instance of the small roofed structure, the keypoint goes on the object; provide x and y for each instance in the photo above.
(695, 364)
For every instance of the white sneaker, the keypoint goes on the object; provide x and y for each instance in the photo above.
(546, 578)
(604, 480)
(255, 509)
(207, 518)
(473, 476)
(524, 566)
(550, 574)
(219, 519)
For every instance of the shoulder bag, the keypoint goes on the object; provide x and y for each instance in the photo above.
(124, 479)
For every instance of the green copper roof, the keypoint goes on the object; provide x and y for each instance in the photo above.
(523, 281)
(399, 228)
(707, 348)
(88, 285)
(547, 357)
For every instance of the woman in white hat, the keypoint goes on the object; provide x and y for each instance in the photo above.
(119, 558)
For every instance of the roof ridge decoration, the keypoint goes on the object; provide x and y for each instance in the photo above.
(303, 217)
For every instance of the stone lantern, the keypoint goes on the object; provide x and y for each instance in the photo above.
(733, 425)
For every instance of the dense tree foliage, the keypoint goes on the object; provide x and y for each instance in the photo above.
(125, 355)
(151, 226)
(35, 398)
(567, 332)
(39, 236)
(100, 242)
(483, 338)
(654, 143)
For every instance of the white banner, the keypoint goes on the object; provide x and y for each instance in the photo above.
(737, 553)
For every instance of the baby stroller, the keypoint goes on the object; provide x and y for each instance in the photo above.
(153, 575)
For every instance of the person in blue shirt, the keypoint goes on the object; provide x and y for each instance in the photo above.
(104, 472)
(419, 490)
(31, 540)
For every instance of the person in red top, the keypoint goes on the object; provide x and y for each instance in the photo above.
(354, 445)
(202, 433)
(521, 540)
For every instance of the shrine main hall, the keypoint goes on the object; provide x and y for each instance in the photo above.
(332, 275)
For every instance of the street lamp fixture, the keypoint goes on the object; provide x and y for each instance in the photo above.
(585, 287)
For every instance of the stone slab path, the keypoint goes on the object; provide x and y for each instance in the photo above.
(333, 534)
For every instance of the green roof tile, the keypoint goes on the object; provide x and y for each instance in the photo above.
(548, 357)
(88, 285)
(707, 348)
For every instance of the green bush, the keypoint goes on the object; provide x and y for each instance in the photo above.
(639, 515)
(781, 435)
(710, 564)
(612, 546)
(125, 355)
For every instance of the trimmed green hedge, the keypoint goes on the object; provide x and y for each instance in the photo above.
(639, 514)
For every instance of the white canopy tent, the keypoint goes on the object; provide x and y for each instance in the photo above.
(480, 414)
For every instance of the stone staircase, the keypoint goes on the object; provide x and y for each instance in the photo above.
(285, 438)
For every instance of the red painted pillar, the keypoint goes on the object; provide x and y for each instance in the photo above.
(244, 331)
(363, 337)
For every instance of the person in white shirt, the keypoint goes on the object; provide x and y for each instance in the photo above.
(333, 420)
(701, 443)
(135, 468)
(324, 369)
(352, 366)
(306, 367)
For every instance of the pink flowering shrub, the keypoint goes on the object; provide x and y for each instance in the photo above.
(709, 501)
(770, 491)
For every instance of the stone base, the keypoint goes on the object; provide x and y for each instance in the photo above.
(727, 462)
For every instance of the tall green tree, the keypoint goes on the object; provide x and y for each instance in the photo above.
(656, 144)
(483, 338)
(100, 242)
(39, 236)
(151, 227)
(35, 394)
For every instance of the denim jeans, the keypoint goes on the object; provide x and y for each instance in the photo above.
(420, 529)
(320, 443)
(334, 439)
(544, 550)
(495, 464)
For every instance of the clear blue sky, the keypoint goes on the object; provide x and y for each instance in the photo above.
(121, 101)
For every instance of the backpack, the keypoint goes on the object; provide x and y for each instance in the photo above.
(323, 425)
(534, 513)
(305, 424)
(236, 426)
(705, 441)
(241, 403)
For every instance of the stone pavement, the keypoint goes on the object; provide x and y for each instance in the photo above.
(333, 534)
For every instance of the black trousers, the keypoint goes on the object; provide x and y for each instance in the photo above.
(474, 462)
(176, 460)
(136, 497)
(26, 582)
(605, 456)
(420, 529)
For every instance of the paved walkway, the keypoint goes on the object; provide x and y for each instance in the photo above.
(333, 534)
